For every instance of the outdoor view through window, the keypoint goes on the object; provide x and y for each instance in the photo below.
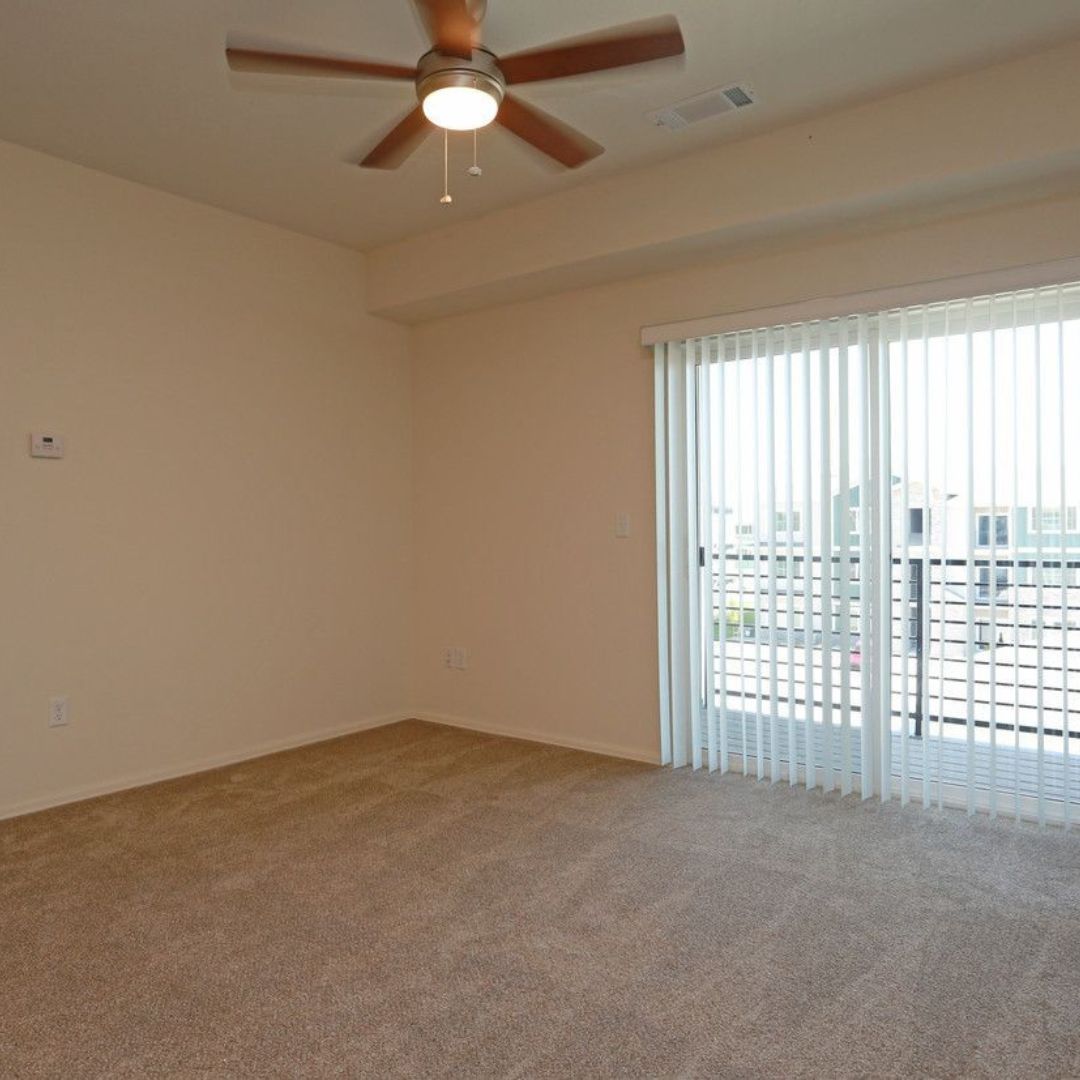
(950, 430)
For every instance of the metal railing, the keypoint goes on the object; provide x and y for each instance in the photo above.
(1020, 664)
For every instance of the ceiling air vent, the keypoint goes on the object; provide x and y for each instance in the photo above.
(712, 103)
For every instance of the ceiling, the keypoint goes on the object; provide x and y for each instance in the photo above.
(139, 88)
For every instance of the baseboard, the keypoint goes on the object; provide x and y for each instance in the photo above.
(190, 768)
(275, 746)
(589, 745)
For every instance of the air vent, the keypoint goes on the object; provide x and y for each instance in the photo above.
(703, 107)
(739, 96)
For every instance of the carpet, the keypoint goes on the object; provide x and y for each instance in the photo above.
(421, 901)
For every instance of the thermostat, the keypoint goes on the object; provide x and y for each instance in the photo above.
(43, 444)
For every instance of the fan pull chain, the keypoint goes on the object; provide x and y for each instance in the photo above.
(447, 198)
(474, 169)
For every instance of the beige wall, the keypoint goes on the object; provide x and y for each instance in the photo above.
(221, 563)
(269, 523)
(534, 427)
(967, 140)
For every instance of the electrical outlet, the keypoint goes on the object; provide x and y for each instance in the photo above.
(455, 658)
(58, 712)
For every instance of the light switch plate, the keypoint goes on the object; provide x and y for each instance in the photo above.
(622, 526)
(58, 712)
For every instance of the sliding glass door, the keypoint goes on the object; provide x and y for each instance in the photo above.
(787, 441)
(878, 572)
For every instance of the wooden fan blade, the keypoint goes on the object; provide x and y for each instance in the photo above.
(636, 43)
(401, 141)
(560, 141)
(453, 28)
(282, 63)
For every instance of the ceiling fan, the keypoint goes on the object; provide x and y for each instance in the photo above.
(461, 86)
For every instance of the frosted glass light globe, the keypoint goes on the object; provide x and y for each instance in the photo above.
(460, 108)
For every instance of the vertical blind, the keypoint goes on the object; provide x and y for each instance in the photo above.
(869, 552)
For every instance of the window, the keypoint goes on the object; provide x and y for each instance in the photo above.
(782, 522)
(1045, 521)
(982, 586)
(982, 529)
(908, 450)
(1048, 520)
(915, 525)
(1053, 577)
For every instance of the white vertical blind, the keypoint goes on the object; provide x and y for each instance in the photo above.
(969, 563)
(825, 433)
(1063, 496)
(882, 617)
(992, 452)
(809, 756)
(755, 369)
(770, 504)
(905, 552)
(844, 541)
(704, 430)
(688, 381)
(868, 543)
(867, 740)
(719, 577)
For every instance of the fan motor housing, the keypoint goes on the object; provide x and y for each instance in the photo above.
(436, 70)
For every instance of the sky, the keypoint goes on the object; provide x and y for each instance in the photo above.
(1015, 417)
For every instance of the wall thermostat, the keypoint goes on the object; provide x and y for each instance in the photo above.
(43, 444)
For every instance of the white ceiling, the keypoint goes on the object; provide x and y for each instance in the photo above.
(139, 88)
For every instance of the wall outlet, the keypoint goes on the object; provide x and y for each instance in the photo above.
(58, 712)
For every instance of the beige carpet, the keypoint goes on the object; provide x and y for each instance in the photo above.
(419, 901)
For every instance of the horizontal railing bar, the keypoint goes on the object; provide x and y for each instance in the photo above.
(956, 721)
(934, 560)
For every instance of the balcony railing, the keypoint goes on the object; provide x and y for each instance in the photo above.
(1013, 647)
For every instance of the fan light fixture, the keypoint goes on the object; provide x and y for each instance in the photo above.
(460, 99)
(462, 86)
(460, 108)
